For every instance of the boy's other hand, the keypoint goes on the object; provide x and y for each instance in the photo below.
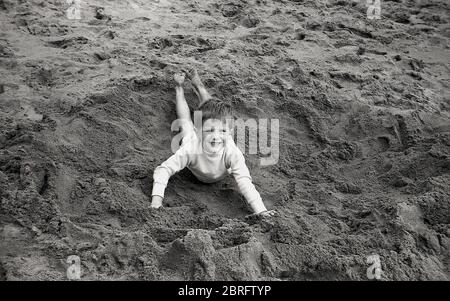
(261, 216)
(267, 213)
(156, 201)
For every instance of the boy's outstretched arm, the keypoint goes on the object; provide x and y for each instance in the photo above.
(156, 201)
(244, 181)
(162, 174)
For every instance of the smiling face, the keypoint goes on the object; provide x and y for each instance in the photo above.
(214, 135)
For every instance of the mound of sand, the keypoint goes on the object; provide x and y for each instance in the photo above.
(85, 112)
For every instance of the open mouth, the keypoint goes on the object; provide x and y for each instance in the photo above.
(216, 143)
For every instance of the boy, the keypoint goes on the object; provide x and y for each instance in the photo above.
(213, 155)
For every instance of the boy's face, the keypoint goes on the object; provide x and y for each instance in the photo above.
(214, 135)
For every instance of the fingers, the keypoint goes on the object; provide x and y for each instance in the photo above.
(268, 213)
(265, 216)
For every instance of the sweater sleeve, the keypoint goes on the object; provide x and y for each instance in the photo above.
(243, 179)
(168, 168)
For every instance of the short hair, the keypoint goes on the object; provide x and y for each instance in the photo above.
(215, 108)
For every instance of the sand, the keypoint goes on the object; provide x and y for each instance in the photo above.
(363, 106)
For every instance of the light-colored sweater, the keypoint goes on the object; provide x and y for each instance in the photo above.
(209, 168)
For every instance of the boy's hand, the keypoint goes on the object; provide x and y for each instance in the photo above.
(261, 216)
(179, 78)
(156, 201)
(267, 213)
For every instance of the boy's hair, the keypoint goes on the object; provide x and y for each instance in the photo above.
(215, 108)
